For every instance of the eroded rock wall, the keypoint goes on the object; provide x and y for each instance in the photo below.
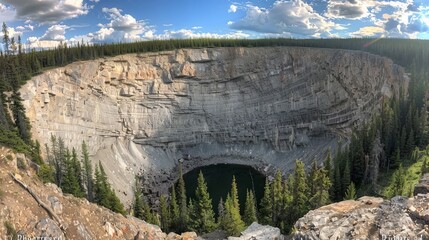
(140, 113)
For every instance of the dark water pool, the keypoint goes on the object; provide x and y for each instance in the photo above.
(219, 178)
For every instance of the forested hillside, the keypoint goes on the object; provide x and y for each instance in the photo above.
(378, 150)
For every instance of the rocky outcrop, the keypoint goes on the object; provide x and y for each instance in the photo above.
(263, 107)
(423, 186)
(260, 232)
(368, 218)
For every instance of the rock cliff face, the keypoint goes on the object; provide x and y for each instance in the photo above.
(263, 107)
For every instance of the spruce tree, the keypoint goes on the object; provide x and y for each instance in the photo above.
(204, 207)
(104, 194)
(138, 201)
(77, 171)
(299, 191)
(266, 206)
(194, 223)
(351, 192)
(165, 214)
(234, 193)
(346, 180)
(148, 215)
(87, 173)
(183, 210)
(221, 214)
(277, 197)
(233, 222)
(398, 182)
(250, 209)
(174, 209)
(337, 186)
(6, 39)
(70, 181)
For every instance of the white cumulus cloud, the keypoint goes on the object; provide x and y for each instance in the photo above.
(47, 11)
(286, 16)
(232, 8)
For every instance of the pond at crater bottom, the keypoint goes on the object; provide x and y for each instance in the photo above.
(219, 178)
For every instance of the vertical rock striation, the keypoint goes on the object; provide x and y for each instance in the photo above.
(140, 113)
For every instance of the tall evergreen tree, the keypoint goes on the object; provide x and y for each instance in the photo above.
(165, 214)
(346, 180)
(138, 201)
(204, 207)
(87, 173)
(174, 209)
(299, 191)
(266, 205)
(277, 197)
(183, 209)
(104, 194)
(233, 222)
(250, 209)
(221, 214)
(6, 39)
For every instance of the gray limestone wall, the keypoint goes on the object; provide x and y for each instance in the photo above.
(264, 107)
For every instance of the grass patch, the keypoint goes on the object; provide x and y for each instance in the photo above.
(413, 173)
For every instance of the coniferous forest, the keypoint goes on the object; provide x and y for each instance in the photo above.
(383, 158)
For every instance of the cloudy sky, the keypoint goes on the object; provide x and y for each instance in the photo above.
(44, 23)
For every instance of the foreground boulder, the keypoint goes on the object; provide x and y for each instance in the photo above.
(260, 232)
(368, 218)
(423, 186)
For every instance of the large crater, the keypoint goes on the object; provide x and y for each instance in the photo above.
(265, 107)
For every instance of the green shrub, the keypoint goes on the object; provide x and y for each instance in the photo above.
(21, 164)
(10, 231)
(46, 173)
(9, 157)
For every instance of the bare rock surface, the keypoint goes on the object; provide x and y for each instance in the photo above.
(260, 232)
(264, 107)
(423, 186)
(368, 218)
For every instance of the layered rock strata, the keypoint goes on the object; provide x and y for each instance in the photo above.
(264, 107)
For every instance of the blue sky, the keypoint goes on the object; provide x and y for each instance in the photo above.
(45, 23)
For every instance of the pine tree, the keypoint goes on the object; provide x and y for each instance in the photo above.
(194, 223)
(183, 219)
(165, 214)
(204, 207)
(6, 39)
(104, 194)
(398, 181)
(148, 215)
(337, 186)
(87, 173)
(277, 197)
(70, 181)
(234, 193)
(266, 206)
(138, 201)
(221, 214)
(77, 171)
(346, 178)
(299, 191)
(233, 223)
(351, 192)
(174, 209)
(250, 209)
